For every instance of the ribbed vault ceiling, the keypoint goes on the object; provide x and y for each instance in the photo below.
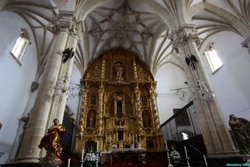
(141, 26)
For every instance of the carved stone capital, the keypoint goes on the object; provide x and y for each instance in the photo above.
(186, 33)
(66, 21)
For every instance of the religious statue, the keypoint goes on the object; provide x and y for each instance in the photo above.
(241, 131)
(119, 71)
(51, 141)
(91, 119)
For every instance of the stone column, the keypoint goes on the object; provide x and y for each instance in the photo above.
(213, 127)
(36, 128)
(62, 87)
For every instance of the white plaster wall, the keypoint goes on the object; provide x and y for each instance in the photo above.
(15, 79)
(231, 83)
(169, 77)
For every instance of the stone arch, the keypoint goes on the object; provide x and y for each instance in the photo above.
(227, 16)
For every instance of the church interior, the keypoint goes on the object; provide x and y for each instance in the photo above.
(153, 83)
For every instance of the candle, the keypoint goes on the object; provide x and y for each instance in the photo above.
(82, 154)
(205, 160)
(185, 149)
(69, 162)
(166, 143)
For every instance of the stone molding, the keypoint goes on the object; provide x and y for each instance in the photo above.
(184, 34)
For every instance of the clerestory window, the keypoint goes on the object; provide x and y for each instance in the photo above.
(212, 58)
(20, 47)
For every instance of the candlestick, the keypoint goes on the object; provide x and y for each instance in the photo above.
(205, 160)
(185, 149)
(166, 143)
(69, 162)
(82, 154)
(187, 158)
(169, 161)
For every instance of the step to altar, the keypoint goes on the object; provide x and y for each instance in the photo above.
(133, 158)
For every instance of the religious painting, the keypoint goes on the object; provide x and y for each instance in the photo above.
(181, 118)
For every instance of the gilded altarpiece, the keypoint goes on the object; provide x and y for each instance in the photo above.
(118, 106)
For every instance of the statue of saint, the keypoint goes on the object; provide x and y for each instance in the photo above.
(51, 141)
(119, 71)
(91, 119)
(241, 131)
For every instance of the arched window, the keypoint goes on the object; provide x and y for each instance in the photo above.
(212, 58)
(20, 47)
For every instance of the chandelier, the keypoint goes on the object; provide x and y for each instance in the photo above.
(193, 91)
(64, 87)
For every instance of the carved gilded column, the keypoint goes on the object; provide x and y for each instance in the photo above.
(138, 105)
(100, 111)
(81, 127)
(214, 130)
(100, 115)
(39, 117)
(138, 109)
(135, 70)
(155, 114)
(84, 110)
